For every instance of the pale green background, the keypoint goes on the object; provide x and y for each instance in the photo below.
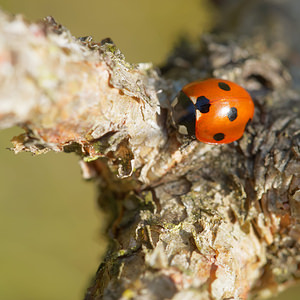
(50, 227)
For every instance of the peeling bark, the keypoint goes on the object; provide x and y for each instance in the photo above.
(190, 221)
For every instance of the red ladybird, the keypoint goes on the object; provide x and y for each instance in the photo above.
(214, 111)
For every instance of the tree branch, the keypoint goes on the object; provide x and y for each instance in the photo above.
(77, 95)
(199, 221)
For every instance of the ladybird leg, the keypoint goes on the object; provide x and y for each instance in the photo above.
(185, 142)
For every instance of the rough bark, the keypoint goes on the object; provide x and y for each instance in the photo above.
(187, 221)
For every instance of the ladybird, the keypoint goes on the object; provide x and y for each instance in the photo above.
(213, 111)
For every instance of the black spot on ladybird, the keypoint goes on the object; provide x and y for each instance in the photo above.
(224, 86)
(232, 114)
(202, 104)
(219, 137)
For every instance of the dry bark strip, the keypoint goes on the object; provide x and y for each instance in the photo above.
(187, 222)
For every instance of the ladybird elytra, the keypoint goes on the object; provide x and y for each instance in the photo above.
(213, 111)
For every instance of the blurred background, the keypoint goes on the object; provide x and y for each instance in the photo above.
(50, 227)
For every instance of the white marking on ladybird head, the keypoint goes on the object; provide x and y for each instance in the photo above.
(198, 114)
(193, 99)
(182, 129)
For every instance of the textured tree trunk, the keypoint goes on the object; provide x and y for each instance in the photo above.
(192, 221)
